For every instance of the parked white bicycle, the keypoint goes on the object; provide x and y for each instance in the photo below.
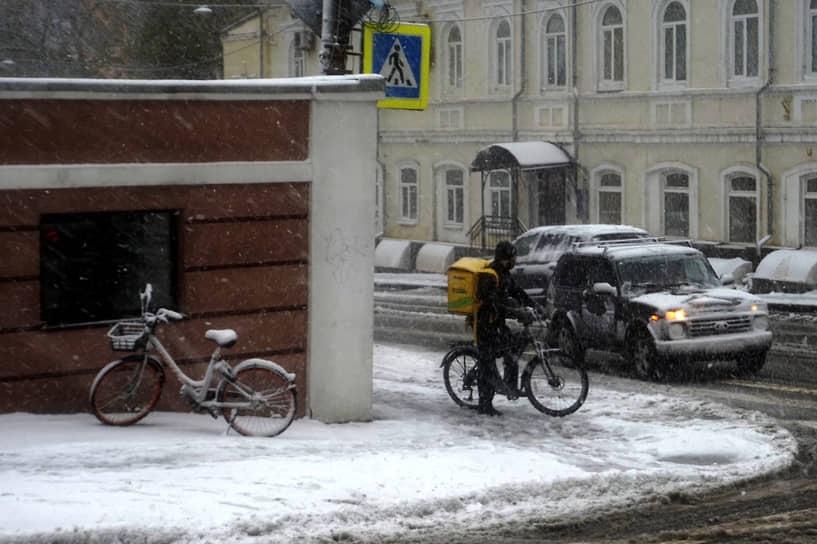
(256, 397)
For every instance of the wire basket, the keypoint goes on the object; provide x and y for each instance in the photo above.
(127, 335)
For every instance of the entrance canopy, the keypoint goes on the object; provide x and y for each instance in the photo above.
(520, 155)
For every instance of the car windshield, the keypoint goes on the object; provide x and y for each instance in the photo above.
(524, 244)
(665, 272)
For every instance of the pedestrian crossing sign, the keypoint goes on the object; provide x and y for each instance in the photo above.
(402, 57)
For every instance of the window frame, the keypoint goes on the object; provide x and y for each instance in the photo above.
(547, 53)
(807, 195)
(501, 47)
(727, 176)
(445, 193)
(734, 79)
(453, 64)
(596, 176)
(104, 288)
(297, 57)
(603, 84)
(408, 211)
(491, 190)
(660, 45)
(654, 191)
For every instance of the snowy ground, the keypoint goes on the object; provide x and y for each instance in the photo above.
(423, 464)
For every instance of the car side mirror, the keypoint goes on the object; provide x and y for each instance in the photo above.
(603, 288)
(727, 279)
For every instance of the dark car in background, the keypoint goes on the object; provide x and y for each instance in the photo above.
(660, 305)
(538, 250)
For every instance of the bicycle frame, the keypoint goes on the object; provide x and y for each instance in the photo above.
(197, 390)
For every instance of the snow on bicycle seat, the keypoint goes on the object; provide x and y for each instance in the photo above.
(225, 338)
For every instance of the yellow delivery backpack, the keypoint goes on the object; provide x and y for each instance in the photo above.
(463, 279)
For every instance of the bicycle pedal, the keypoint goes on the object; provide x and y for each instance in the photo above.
(212, 413)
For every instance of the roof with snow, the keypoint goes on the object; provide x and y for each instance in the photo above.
(522, 155)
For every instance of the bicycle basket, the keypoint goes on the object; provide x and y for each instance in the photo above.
(127, 335)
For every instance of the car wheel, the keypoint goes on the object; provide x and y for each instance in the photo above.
(567, 342)
(646, 363)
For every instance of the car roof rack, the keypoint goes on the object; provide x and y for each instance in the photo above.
(627, 242)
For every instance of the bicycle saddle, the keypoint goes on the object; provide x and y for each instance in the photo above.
(225, 338)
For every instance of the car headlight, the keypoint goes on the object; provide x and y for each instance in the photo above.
(761, 322)
(676, 330)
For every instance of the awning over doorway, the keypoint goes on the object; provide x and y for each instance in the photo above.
(521, 155)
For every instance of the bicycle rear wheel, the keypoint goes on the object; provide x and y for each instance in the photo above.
(125, 391)
(556, 386)
(460, 375)
(268, 396)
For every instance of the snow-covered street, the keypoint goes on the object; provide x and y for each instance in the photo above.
(423, 464)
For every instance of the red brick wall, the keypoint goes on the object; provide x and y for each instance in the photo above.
(243, 249)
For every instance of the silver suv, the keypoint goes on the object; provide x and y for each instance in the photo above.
(538, 250)
(658, 304)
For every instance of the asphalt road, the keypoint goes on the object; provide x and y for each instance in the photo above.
(774, 508)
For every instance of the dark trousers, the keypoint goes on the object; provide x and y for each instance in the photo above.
(492, 345)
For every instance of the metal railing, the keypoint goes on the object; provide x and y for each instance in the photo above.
(488, 230)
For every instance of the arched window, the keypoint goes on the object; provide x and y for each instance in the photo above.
(554, 55)
(674, 43)
(671, 200)
(612, 46)
(454, 196)
(609, 198)
(742, 207)
(408, 180)
(676, 204)
(499, 194)
(454, 58)
(745, 35)
(296, 57)
(503, 55)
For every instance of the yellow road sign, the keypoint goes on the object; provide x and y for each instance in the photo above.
(403, 58)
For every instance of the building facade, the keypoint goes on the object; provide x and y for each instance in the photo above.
(691, 118)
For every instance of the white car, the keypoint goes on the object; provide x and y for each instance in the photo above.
(538, 250)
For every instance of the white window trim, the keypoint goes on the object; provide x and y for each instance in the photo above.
(488, 192)
(595, 188)
(292, 51)
(403, 220)
(793, 207)
(544, 58)
(598, 57)
(726, 176)
(494, 87)
(448, 89)
(657, 50)
(440, 170)
(727, 46)
(653, 210)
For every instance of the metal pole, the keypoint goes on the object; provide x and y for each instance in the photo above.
(328, 38)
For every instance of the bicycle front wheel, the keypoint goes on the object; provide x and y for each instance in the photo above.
(263, 399)
(125, 391)
(555, 386)
(460, 375)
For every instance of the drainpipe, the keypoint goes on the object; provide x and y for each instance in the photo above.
(515, 116)
(515, 99)
(574, 63)
(759, 133)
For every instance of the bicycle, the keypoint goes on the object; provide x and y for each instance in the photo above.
(550, 380)
(256, 397)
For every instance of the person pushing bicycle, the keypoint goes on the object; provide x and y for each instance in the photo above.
(493, 335)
